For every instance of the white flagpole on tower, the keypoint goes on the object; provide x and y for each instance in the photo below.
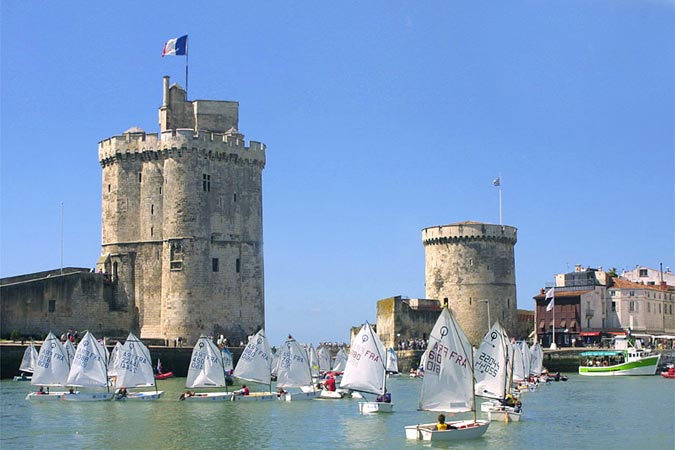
(498, 182)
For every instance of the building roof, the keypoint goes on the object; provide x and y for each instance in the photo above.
(564, 294)
(622, 283)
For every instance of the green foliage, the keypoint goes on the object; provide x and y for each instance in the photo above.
(612, 272)
(15, 335)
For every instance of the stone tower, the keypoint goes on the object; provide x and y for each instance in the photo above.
(471, 266)
(182, 221)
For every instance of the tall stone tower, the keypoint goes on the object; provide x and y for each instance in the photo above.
(471, 266)
(182, 221)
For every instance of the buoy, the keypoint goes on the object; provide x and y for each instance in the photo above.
(506, 417)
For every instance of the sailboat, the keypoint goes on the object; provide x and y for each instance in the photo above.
(255, 364)
(28, 362)
(493, 369)
(448, 384)
(392, 362)
(313, 362)
(324, 359)
(114, 360)
(537, 364)
(206, 371)
(366, 370)
(340, 361)
(294, 371)
(89, 369)
(70, 351)
(51, 369)
(133, 369)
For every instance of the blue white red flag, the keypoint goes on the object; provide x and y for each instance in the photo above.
(175, 47)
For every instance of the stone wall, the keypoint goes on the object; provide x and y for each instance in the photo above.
(471, 266)
(401, 319)
(55, 302)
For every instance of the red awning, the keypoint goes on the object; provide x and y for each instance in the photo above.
(563, 323)
(589, 333)
(573, 323)
(551, 324)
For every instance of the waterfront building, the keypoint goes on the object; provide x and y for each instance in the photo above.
(649, 276)
(590, 305)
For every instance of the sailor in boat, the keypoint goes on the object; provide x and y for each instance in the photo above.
(243, 391)
(384, 398)
(441, 425)
(330, 383)
(41, 391)
(281, 391)
(121, 394)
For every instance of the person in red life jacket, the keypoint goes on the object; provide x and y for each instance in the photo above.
(243, 391)
(330, 383)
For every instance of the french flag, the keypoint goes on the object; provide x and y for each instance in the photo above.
(175, 47)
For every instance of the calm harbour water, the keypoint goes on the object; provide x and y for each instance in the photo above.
(582, 413)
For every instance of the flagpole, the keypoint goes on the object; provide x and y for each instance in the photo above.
(186, 69)
(500, 199)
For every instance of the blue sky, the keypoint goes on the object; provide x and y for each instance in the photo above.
(381, 118)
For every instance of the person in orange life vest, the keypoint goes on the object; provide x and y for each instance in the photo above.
(330, 383)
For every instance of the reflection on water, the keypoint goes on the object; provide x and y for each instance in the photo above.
(581, 413)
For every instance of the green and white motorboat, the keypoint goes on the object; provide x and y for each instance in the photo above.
(629, 361)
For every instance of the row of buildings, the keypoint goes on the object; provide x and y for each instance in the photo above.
(591, 305)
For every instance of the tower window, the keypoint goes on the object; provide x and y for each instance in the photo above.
(238, 265)
(160, 190)
(234, 197)
(214, 264)
(152, 231)
(109, 188)
(52, 305)
(206, 182)
(152, 209)
(140, 176)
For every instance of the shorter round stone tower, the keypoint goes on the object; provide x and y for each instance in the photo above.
(471, 266)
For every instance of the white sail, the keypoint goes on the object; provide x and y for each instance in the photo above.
(423, 359)
(70, 351)
(518, 364)
(392, 361)
(340, 361)
(227, 360)
(255, 363)
(114, 360)
(29, 359)
(365, 369)
(324, 358)
(206, 365)
(89, 366)
(52, 365)
(491, 364)
(527, 358)
(313, 361)
(134, 365)
(537, 364)
(448, 374)
(293, 369)
(275, 364)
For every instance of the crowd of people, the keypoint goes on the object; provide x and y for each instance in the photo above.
(412, 344)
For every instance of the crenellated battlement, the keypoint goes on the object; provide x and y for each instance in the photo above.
(467, 232)
(148, 146)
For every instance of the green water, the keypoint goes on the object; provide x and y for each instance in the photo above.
(582, 413)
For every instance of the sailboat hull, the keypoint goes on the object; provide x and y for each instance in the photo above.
(255, 397)
(504, 415)
(46, 397)
(375, 407)
(210, 397)
(142, 396)
(465, 429)
(88, 396)
(299, 396)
